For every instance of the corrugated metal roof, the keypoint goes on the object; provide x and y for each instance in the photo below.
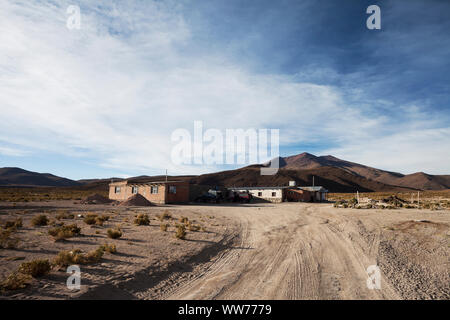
(311, 189)
(314, 189)
(257, 188)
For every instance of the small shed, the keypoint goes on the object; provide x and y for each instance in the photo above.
(317, 194)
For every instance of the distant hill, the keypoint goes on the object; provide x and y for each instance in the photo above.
(334, 179)
(334, 174)
(419, 180)
(16, 177)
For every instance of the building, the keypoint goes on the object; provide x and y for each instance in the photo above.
(317, 194)
(285, 193)
(271, 194)
(160, 192)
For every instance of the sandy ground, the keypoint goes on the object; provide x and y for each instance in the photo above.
(267, 251)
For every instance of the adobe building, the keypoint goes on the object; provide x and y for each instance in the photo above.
(285, 193)
(160, 192)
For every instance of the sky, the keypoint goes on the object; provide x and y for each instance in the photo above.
(104, 100)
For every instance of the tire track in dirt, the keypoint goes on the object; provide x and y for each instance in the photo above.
(290, 251)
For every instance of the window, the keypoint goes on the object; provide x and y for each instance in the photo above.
(154, 189)
(274, 194)
(116, 189)
(260, 194)
(134, 190)
(172, 189)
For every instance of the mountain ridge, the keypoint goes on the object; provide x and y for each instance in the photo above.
(335, 174)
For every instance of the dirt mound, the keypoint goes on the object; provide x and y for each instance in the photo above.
(136, 200)
(96, 199)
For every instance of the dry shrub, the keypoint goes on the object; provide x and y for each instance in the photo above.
(15, 281)
(142, 220)
(39, 220)
(114, 233)
(6, 241)
(180, 232)
(90, 219)
(111, 248)
(67, 258)
(13, 224)
(64, 215)
(64, 232)
(165, 216)
(101, 219)
(184, 220)
(36, 268)
(163, 226)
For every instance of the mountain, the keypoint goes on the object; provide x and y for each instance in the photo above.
(13, 177)
(419, 180)
(334, 174)
(334, 179)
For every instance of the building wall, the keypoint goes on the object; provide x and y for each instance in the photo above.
(159, 197)
(163, 195)
(181, 195)
(266, 194)
(118, 196)
(298, 195)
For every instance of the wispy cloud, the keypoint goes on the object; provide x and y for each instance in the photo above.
(116, 89)
(6, 151)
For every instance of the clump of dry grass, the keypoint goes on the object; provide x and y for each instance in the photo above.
(163, 226)
(64, 232)
(164, 216)
(67, 258)
(39, 220)
(180, 233)
(36, 268)
(184, 220)
(114, 233)
(193, 227)
(111, 248)
(63, 214)
(6, 240)
(15, 281)
(90, 219)
(101, 219)
(142, 220)
(13, 224)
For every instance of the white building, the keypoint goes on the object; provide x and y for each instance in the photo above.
(272, 194)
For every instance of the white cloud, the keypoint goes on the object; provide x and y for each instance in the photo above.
(405, 152)
(117, 88)
(13, 152)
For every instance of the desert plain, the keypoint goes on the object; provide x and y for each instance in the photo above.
(232, 251)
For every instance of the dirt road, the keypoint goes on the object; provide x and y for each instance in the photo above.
(313, 251)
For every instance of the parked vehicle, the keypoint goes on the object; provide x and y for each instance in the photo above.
(212, 196)
(241, 196)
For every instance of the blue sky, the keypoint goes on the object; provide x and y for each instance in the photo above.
(103, 101)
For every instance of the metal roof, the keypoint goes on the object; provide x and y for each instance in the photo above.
(311, 189)
(257, 188)
(131, 182)
(318, 188)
